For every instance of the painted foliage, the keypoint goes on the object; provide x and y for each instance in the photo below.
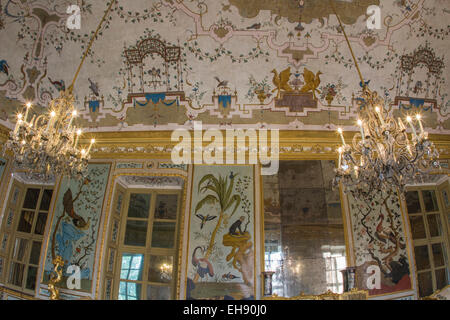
(379, 240)
(221, 235)
(75, 225)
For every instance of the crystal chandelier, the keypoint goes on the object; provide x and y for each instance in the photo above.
(47, 145)
(381, 155)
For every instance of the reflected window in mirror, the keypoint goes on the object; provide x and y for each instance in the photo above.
(303, 229)
(426, 213)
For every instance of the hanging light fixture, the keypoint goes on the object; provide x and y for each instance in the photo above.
(382, 155)
(48, 145)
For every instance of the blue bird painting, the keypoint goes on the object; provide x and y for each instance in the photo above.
(4, 67)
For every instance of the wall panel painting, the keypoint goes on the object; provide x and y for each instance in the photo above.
(75, 225)
(380, 244)
(221, 243)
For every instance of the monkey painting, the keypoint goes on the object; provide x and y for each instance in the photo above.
(236, 225)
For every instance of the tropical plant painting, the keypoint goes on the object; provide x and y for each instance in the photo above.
(221, 234)
(75, 225)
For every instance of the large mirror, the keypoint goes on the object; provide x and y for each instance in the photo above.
(303, 229)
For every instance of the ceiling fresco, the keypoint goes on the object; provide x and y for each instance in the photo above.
(160, 65)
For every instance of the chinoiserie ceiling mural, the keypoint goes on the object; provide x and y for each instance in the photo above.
(159, 65)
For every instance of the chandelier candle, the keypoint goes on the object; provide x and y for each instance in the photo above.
(418, 117)
(74, 114)
(23, 144)
(360, 124)
(409, 119)
(32, 121)
(380, 116)
(78, 136)
(90, 146)
(342, 136)
(401, 125)
(28, 109)
(49, 124)
(18, 123)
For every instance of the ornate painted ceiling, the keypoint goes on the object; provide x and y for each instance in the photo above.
(160, 65)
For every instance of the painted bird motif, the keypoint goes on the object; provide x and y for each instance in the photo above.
(59, 85)
(77, 220)
(255, 26)
(384, 234)
(229, 276)
(94, 87)
(204, 219)
(312, 82)
(299, 27)
(281, 81)
(221, 83)
(4, 67)
(156, 73)
(204, 267)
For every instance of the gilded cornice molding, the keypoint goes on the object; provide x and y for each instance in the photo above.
(295, 144)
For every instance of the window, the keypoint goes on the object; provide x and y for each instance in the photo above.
(22, 232)
(429, 233)
(335, 261)
(141, 259)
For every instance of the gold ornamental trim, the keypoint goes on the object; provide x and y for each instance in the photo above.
(303, 145)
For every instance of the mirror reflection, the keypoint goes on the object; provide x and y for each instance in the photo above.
(303, 229)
